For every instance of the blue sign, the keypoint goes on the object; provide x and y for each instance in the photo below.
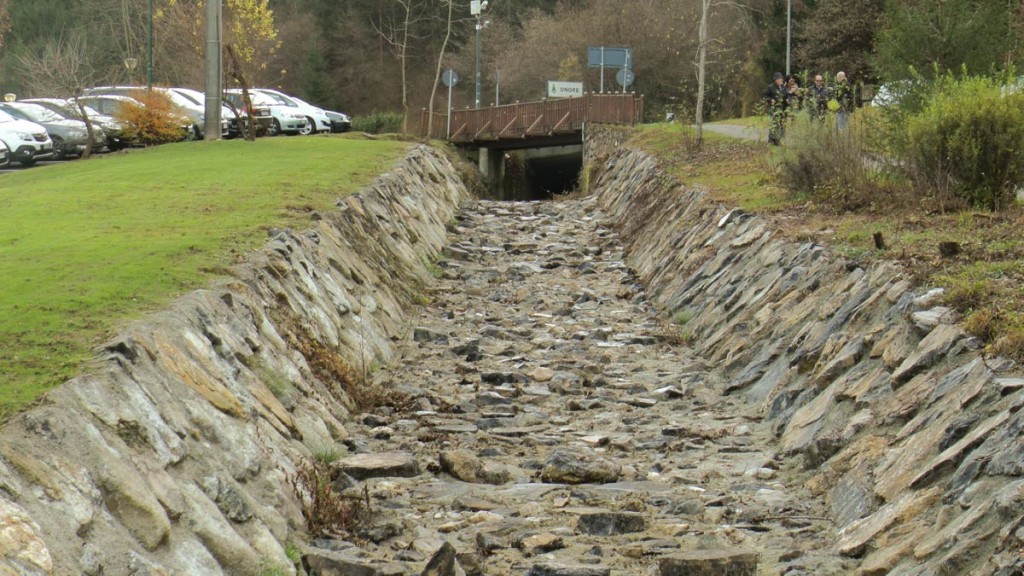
(604, 57)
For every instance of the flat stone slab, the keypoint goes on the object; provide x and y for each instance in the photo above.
(579, 467)
(738, 562)
(553, 569)
(382, 465)
(610, 523)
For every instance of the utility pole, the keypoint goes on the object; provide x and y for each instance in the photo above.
(476, 7)
(214, 76)
(149, 48)
(789, 31)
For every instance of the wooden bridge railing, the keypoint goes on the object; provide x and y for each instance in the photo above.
(534, 119)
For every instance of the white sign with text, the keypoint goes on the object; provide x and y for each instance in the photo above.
(564, 89)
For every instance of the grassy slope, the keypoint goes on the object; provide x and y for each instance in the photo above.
(85, 246)
(983, 282)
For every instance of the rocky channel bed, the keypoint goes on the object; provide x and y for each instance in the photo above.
(558, 426)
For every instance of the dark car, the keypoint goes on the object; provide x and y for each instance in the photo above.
(339, 122)
(69, 136)
(112, 129)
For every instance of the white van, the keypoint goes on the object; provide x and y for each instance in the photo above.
(27, 141)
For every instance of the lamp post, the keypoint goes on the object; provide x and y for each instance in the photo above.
(149, 48)
(476, 7)
(788, 33)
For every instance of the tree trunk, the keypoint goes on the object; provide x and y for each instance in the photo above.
(702, 51)
(437, 74)
(88, 130)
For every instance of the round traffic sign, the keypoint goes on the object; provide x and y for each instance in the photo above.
(624, 77)
(450, 77)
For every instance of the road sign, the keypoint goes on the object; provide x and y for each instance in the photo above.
(450, 77)
(625, 77)
(605, 57)
(564, 89)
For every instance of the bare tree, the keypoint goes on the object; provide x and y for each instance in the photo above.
(397, 33)
(704, 40)
(440, 63)
(62, 67)
(702, 54)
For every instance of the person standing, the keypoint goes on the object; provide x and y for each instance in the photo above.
(776, 99)
(817, 98)
(844, 97)
(796, 94)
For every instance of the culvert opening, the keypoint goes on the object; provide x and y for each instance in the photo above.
(539, 174)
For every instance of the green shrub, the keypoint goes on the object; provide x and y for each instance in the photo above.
(378, 123)
(822, 163)
(969, 140)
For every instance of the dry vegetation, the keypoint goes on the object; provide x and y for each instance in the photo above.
(980, 264)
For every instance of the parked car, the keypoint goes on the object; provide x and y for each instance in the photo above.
(339, 122)
(27, 141)
(226, 113)
(70, 137)
(181, 104)
(316, 117)
(5, 155)
(112, 129)
(283, 119)
(114, 105)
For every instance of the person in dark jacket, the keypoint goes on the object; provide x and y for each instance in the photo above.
(776, 98)
(817, 98)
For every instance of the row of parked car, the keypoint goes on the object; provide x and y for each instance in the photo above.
(36, 129)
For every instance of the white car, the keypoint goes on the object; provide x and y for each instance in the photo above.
(284, 119)
(182, 104)
(26, 141)
(226, 113)
(5, 155)
(318, 119)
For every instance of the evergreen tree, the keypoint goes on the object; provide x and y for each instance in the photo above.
(943, 36)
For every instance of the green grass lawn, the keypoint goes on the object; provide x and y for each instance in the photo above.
(87, 245)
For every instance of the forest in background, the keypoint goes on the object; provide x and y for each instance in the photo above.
(361, 56)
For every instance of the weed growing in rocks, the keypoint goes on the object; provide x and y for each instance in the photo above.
(327, 455)
(683, 317)
(327, 511)
(331, 368)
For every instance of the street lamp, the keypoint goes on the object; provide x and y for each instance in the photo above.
(475, 8)
(789, 31)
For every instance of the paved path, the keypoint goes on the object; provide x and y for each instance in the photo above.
(737, 131)
(561, 427)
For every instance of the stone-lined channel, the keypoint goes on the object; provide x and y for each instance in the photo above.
(562, 427)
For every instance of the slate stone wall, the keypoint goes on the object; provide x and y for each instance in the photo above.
(172, 455)
(915, 434)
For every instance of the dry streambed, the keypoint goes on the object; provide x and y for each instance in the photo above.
(559, 426)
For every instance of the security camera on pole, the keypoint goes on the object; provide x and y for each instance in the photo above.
(476, 7)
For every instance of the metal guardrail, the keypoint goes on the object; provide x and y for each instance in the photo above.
(534, 119)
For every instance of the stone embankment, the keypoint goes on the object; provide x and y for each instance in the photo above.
(635, 383)
(913, 435)
(173, 455)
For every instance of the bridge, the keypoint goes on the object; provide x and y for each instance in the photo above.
(529, 124)
(545, 130)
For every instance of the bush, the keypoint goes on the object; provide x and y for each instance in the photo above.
(328, 512)
(968, 139)
(822, 163)
(154, 122)
(378, 123)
